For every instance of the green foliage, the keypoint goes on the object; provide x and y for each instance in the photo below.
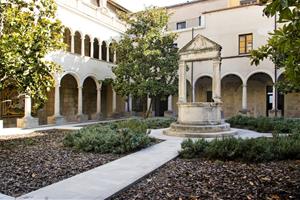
(283, 47)
(265, 124)
(30, 32)
(147, 59)
(116, 137)
(250, 150)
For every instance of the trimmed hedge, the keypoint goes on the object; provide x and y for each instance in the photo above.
(116, 137)
(250, 150)
(266, 124)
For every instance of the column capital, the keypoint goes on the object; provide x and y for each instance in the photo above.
(217, 61)
(80, 87)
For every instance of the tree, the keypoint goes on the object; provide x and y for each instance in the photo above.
(30, 31)
(283, 47)
(147, 57)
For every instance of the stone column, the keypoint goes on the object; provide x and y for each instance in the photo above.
(114, 101)
(56, 118)
(217, 80)
(244, 98)
(130, 103)
(194, 93)
(107, 53)
(100, 50)
(182, 82)
(148, 102)
(273, 101)
(27, 121)
(82, 46)
(98, 114)
(170, 103)
(80, 116)
(92, 48)
(115, 57)
(72, 43)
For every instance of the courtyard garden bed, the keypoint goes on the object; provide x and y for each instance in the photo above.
(27, 164)
(195, 179)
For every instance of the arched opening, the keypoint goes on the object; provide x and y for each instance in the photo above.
(69, 97)
(89, 97)
(106, 99)
(96, 48)
(77, 43)
(260, 94)
(103, 51)
(87, 46)
(68, 39)
(232, 90)
(203, 89)
(111, 53)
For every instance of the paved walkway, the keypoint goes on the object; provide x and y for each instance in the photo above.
(70, 126)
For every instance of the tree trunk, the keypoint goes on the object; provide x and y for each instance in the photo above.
(149, 109)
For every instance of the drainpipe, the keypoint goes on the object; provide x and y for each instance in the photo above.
(275, 73)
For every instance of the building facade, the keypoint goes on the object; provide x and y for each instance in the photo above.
(82, 89)
(239, 27)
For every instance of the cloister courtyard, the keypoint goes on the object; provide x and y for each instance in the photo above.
(185, 101)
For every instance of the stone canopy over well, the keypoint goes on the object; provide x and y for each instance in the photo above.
(200, 119)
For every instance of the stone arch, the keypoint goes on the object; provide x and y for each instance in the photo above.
(69, 97)
(89, 97)
(96, 48)
(77, 42)
(259, 93)
(232, 90)
(87, 45)
(235, 74)
(68, 38)
(259, 71)
(73, 74)
(103, 51)
(203, 89)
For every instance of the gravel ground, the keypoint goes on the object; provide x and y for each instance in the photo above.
(203, 179)
(27, 164)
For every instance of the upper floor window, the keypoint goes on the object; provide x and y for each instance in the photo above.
(181, 25)
(200, 20)
(245, 43)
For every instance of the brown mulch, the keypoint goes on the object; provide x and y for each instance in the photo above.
(203, 179)
(27, 164)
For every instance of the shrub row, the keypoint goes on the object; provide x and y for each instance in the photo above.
(116, 137)
(266, 124)
(250, 150)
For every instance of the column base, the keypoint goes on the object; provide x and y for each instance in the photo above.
(97, 116)
(169, 113)
(272, 113)
(1, 124)
(58, 120)
(82, 118)
(27, 122)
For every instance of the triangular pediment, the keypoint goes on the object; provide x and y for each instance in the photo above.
(200, 43)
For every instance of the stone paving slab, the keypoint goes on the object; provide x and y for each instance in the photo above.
(5, 197)
(106, 180)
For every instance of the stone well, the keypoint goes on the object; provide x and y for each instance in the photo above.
(200, 119)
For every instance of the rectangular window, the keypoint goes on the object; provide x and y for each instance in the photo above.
(181, 25)
(200, 20)
(245, 43)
